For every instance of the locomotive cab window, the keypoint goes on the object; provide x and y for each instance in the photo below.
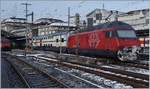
(111, 34)
(126, 34)
(107, 34)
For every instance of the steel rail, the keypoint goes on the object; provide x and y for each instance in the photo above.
(129, 63)
(122, 79)
(20, 75)
(127, 80)
(134, 64)
(44, 71)
(61, 84)
(119, 71)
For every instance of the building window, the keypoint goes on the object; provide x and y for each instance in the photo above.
(90, 22)
(42, 33)
(147, 21)
(98, 16)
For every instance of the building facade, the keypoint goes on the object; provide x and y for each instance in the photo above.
(100, 16)
(139, 19)
(13, 23)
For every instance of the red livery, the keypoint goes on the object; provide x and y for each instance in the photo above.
(5, 44)
(112, 39)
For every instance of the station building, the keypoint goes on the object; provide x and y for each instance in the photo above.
(12, 23)
(99, 15)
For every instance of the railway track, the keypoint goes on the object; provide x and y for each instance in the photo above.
(136, 64)
(69, 79)
(136, 80)
(11, 78)
(118, 71)
(129, 78)
(33, 77)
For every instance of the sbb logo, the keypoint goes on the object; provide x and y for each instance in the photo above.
(93, 40)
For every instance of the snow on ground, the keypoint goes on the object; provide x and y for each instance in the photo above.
(100, 80)
(131, 69)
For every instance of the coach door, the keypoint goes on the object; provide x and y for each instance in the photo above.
(40, 43)
(111, 40)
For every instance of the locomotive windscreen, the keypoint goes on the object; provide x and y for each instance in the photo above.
(126, 34)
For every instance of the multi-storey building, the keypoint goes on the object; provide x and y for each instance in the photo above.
(139, 19)
(13, 23)
(100, 16)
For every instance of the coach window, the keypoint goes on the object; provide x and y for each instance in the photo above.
(56, 40)
(62, 39)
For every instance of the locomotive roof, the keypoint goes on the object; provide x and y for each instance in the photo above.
(109, 25)
(112, 24)
(103, 26)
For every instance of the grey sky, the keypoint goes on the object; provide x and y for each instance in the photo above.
(58, 9)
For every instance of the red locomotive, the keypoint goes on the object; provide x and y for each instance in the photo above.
(5, 44)
(111, 39)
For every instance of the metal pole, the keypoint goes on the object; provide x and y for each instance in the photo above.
(68, 18)
(26, 29)
(60, 43)
(67, 31)
(31, 37)
(26, 4)
(32, 17)
(78, 28)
